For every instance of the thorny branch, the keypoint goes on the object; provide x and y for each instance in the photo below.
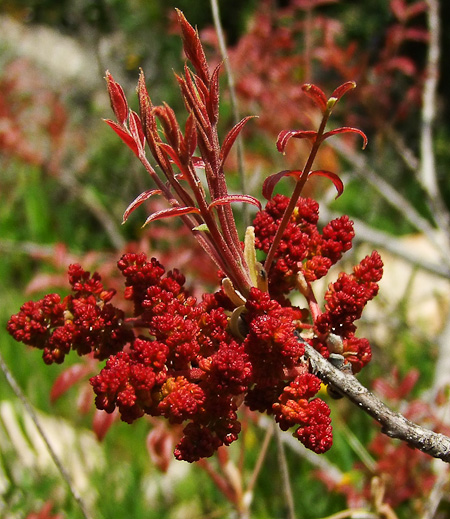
(393, 424)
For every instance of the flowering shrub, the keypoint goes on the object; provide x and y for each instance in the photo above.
(195, 361)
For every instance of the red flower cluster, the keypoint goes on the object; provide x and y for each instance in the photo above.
(302, 248)
(85, 322)
(193, 369)
(345, 301)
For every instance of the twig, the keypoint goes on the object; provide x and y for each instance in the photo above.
(428, 175)
(261, 457)
(393, 197)
(233, 101)
(364, 233)
(318, 461)
(284, 471)
(392, 424)
(56, 460)
(353, 513)
(88, 198)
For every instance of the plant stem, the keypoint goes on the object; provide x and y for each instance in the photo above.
(297, 192)
(392, 424)
(284, 471)
(233, 101)
(31, 413)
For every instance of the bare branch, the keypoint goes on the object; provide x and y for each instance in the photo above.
(392, 424)
(428, 175)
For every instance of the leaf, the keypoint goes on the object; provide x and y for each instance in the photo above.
(338, 184)
(138, 201)
(346, 129)
(235, 198)
(189, 141)
(316, 94)
(343, 89)
(175, 158)
(198, 162)
(232, 136)
(102, 422)
(125, 136)
(68, 378)
(136, 132)
(118, 100)
(213, 97)
(402, 63)
(271, 181)
(285, 135)
(193, 47)
(172, 211)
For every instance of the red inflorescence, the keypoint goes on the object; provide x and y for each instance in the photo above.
(85, 322)
(176, 356)
(303, 249)
(194, 362)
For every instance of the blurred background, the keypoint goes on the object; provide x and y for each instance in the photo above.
(66, 179)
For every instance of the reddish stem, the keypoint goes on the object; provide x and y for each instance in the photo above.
(297, 191)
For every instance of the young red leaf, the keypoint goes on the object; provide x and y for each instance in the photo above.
(235, 198)
(102, 422)
(231, 137)
(271, 181)
(285, 135)
(347, 129)
(172, 211)
(213, 97)
(338, 184)
(398, 7)
(118, 100)
(175, 158)
(198, 162)
(193, 47)
(138, 201)
(402, 63)
(125, 136)
(415, 9)
(170, 124)
(189, 142)
(343, 89)
(68, 378)
(137, 131)
(316, 94)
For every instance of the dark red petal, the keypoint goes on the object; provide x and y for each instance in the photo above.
(231, 137)
(271, 181)
(138, 201)
(338, 184)
(126, 137)
(173, 211)
(347, 129)
(235, 198)
(285, 135)
(316, 94)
